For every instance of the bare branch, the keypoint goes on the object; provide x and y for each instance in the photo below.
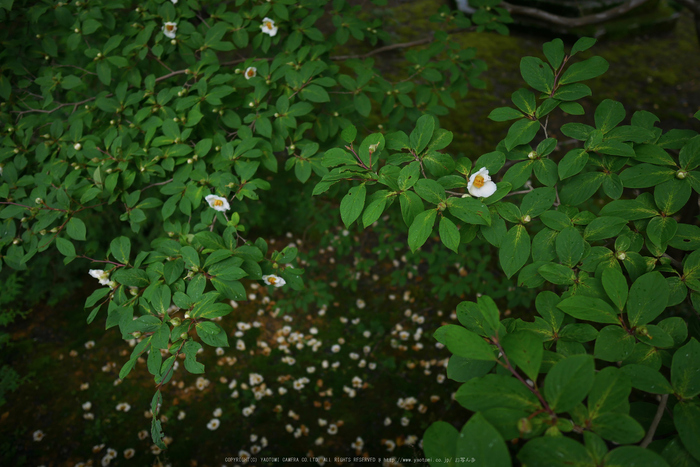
(574, 22)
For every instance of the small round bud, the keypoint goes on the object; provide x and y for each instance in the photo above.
(179, 94)
(292, 147)
(136, 334)
(251, 104)
(39, 201)
(99, 54)
(380, 126)
(621, 255)
(336, 114)
(442, 206)
(267, 81)
(526, 219)
(42, 231)
(16, 241)
(681, 174)
(173, 41)
(237, 71)
(138, 10)
(111, 122)
(524, 425)
(87, 107)
(532, 155)
(46, 57)
(218, 148)
(189, 161)
(175, 321)
(109, 171)
(76, 30)
(187, 316)
(16, 150)
(10, 129)
(77, 146)
(183, 335)
(38, 36)
(276, 115)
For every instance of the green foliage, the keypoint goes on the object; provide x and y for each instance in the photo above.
(618, 272)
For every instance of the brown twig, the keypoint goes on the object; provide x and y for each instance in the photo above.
(655, 423)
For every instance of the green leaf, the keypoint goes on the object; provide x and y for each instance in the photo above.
(462, 369)
(352, 204)
(613, 344)
(65, 247)
(537, 201)
(589, 309)
(514, 250)
(430, 190)
(647, 379)
(648, 298)
(587, 69)
(633, 455)
(421, 228)
(348, 134)
(172, 270)
(362, 104)
(570, 246)
(619, 428)
(686, 417)
(611, 389)
(337, 156)
(646, 175)
(212, 334)
(672, 195)
(554, 51)
(615, 286)
(685, 370)
(557, 451)
(524, 348)
(469, 210)
(661, 230)
(191, 364)
(604, 227)
(131, 277)
(411, 206)
(524, 99)
(581, 188)
(496, 391)
(423, 132)
(120, 249)
(503, 114)
(374, 210)
(608, 115)
(480, 440)
(537, 74)
(557, 273)
(161, 299)
(569, 381)
(449, 234)
(464, 343)
(314, 93)
(440, 441)
(521, 132)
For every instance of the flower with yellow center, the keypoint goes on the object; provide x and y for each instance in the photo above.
(251, 72)
(480, 184)
(272, 279)
(217, 202)
(268, 27)
(170, 29)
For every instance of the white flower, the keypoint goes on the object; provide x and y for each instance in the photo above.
(89, 344)
(217, 202)
(480, 184)
(102, 276)
(213, 424)
(169, 29)
(268, 27)
(251, 72)
(129, 453)
(174, 2)
(217, 412)
(87, 405)
(360, 303)
(272, 279)
(38, 435)
(123, 406)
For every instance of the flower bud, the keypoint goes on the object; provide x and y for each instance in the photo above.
(621, 255)
(681, 174)
(442, 206)
(524, 425)
(136, 334)
(183, 335)
(277, 115)
(77, 146)
(16, 150)
(76, 30)
(532, 155)
(39, 201)
(336, 114)
(189, 161)
(526, 218)
(292, 147)
(187, 316)
(176, 321)
(173, 41)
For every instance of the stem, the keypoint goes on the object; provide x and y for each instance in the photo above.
(102, 261)
(655, 423)
(520, 378)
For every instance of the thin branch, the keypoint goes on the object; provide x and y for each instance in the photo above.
(401, 45)
(655, 423)
(573, 22)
